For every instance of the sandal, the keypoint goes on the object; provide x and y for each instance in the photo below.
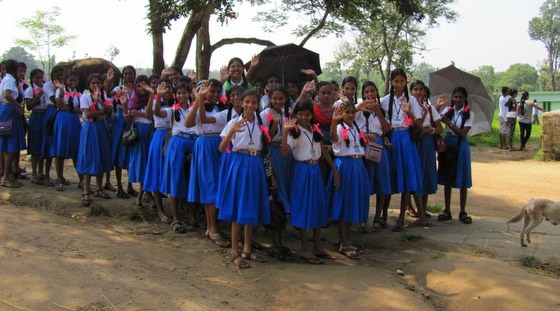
(363, 227)
(323, 254)
(123, 195)
(412, 213)
(109, 186)
(399, 226)
(37, 180)
(177, 227)
(132, 192)
(239, 262)
(11, 183)
(280, 254)
(66, 182)
(466, 219)
(85, 199)
(102, 194)
(59, 187)
(219, 240)
(48, 183)
(376, 226)
(311, 260)
(419, 223)
(252, 257)
(349, 252)
(383, 223)
(445, 216)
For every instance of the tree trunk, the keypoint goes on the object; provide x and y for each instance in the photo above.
(203, 50)
(157, 46)
(194, 24)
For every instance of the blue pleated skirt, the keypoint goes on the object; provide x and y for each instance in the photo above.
(16, 141)
(379, 174)
(405, 163)
(139, 153)
(94, 153)
(243, 192)
(176, 168)
(464, 176)
(48, 139)
(308, 197)
(35, 131)
(282, 168)
(427, 153)
(154, 168)
(120, 152)
(67, 128)
(205, 167)
(350, 200)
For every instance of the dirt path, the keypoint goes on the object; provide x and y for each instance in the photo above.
(55, 257)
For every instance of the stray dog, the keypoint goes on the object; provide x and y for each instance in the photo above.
(533, 213)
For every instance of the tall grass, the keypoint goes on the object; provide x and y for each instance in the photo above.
(492, 138)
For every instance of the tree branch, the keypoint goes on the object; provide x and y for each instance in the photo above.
(227, 41)
(315, 30)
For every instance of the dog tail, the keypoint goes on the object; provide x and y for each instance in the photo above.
(516, 218)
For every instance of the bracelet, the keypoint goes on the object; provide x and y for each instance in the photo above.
(433, 130)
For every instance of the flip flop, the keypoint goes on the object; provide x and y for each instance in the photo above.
(122, 195)
(109, 186)
(219, 240)
(323, 254)
(312, 260)
(85, 199)
(239, 262)
(102, 194)
(59, 187)
(11, 184)
(177, 227)
(349, 252)
(252, 257)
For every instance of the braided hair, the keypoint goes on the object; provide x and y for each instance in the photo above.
(306, 105)
(466, 111)
(283, 90)
(265, 137)
(397, 72)
(364, 87)
(238, 89)
(524, 97)
(351, 79)
(179, 86)
(363, 139)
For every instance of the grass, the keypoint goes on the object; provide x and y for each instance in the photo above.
(142, 214)
(98, 210)
(434, 208)
(532, 262)
(492, 138)
(412, 237)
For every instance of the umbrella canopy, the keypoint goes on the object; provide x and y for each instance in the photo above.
(445, 80)
(286, 61)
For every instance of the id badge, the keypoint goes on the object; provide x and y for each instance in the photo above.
(251, 146)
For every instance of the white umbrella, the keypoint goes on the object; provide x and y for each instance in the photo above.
(445, 80)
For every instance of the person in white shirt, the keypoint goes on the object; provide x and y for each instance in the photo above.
(502, 116)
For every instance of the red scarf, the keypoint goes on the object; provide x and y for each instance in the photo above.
(321, 116)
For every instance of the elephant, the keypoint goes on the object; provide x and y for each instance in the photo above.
(87, 66)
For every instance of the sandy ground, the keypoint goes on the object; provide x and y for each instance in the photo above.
(55, 257)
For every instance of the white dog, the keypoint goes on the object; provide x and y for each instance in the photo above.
(533, 213)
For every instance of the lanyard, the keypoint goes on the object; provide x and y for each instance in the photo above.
(351, 130)
(250, 131)
(313, 152)
(456, 118)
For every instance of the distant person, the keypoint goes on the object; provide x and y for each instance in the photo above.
(511, 116)
(502, 116)
(536, 113)
(524, 113)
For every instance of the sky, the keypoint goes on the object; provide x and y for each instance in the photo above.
(487, 32)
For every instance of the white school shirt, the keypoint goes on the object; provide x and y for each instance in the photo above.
(502, 105)
(117, 89)
(179, 127)
(399, 116)
(28, 94)
(231, 84)
(302, 146)
(142, 120)
(373, 124)
(223, 115)
(49, 91)
(241, 140)
(210, 128)
(433, 112)
(75, 98)
(278, 137)
(85, 101)
(162, 123)
(339, 147)
(457, 119)
(8, 83)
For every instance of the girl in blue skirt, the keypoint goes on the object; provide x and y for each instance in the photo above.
(120, 152)
(402, 112)
(348, 188)
(371, 120)
(242, 191)
(176, 166)
(10, 112)
(203, 184)
(308, 198)
(162, 117)
(138, 112)
(35, 102)
(274, 118)
(67, 126)
(94, 154)
(454, 170)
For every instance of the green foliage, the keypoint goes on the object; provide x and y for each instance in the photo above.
(520, 76)
(488, 76)
(434, 208)
(98, 210)
(410, 237)
(492, 138)
(44, 36)
(142, 214)
(546, 28)
(422, 72)
(21, 55)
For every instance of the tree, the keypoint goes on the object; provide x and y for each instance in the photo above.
(389, 39)
(44, 36)
(520, 76)
(112, 52)
(487, 75)
(422, 72)
(20, 54)
(546, 28)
